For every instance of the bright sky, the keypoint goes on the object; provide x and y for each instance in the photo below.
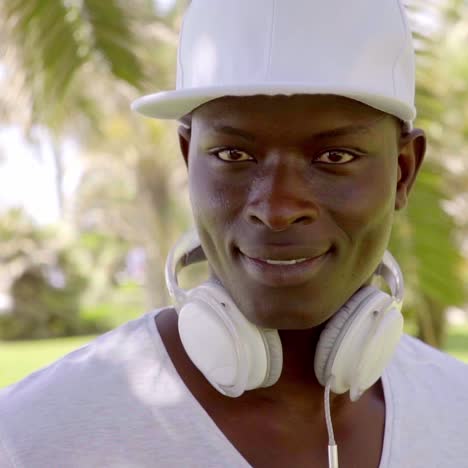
(165, 5)
(27, 174)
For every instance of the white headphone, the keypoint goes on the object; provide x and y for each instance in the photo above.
(235, 355)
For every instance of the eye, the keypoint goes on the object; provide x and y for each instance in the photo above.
(232, 155)
(335, 157)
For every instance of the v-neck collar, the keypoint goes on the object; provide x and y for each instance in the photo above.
(216, 431)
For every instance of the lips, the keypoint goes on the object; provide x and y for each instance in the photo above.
(282, 252)
(283, 266)
(283, 262)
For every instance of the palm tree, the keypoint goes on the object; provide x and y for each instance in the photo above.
(426, 238)
(74, 67)
(60, 59)
(70, 54)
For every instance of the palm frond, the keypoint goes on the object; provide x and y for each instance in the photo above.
(113, 38)
(44, 35)
(53, 40)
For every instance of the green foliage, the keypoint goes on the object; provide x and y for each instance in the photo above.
(49, 280)
(120, 306)
(42, 310)
(456, 342)
(424, 243)
(76, 55)
(423, 240)
(55, 47)
(112, 37)
(426, 238)
(50, 27)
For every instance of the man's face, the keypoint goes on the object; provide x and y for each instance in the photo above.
(293, 199)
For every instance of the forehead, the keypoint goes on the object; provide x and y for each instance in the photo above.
(288, 113)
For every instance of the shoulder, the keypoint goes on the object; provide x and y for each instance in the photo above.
(91, 389)
(100, 360)
(423, 377)
(426, 393)
(420, 363)
(414, 355)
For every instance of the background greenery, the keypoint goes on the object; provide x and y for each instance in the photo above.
(71, 68)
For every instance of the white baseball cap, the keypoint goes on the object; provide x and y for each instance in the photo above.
(360, 49)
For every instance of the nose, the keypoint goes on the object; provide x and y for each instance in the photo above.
(281, 197)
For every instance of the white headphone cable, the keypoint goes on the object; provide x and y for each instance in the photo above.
(332, 447)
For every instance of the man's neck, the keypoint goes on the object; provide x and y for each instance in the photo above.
(285, 424)
(297, 383)
(298, 375)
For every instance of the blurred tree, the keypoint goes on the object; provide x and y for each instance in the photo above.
(83, 50)
(140, 195)
(55, 50)
(425, 236)
(82, 62)
(61, 59)
(44, 281)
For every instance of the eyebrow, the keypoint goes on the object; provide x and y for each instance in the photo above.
(226, 129)
(353, 129)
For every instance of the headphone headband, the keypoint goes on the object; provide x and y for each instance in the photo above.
(390, 271)
(187, 251)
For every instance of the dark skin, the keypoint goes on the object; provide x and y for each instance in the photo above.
(272, 177)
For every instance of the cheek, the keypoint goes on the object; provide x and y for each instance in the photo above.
(364, 213)
(217, 201)
(216, 197)
(366, 201)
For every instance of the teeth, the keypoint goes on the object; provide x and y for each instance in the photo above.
(285, 262)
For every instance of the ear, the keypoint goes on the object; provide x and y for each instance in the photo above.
(185, 134)
(411, 155)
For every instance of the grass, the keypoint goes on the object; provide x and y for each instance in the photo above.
(457, 342)
(20, 358)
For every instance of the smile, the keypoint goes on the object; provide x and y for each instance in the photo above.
(282, 262)
(275, 272)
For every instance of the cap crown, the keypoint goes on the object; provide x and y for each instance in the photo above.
(361, 49)
(362, 45)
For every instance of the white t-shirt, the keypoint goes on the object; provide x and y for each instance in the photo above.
(119, 402)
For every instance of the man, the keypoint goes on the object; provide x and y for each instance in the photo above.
(296, 131)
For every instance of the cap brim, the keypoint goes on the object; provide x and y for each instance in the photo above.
(178, 103)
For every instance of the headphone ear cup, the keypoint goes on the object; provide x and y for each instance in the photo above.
(336, 328)
(275, 356)
(359, 342)
(232, 353)
(210, 343)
